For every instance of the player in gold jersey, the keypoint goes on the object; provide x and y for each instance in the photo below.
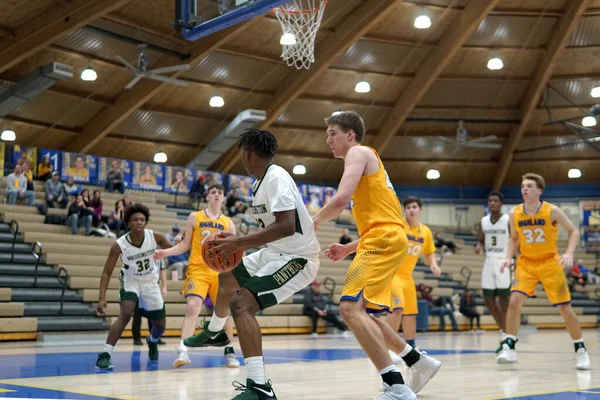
(380, 250)
(420, 241)
(200, 279)
(534, 228)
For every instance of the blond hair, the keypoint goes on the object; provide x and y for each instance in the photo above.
(538, 179)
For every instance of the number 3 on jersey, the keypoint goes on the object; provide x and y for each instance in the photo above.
(536, 235)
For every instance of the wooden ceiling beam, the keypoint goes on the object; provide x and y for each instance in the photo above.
(50, 26)
(128, 101)
(561, 35)
(354, 26)
(456, 35)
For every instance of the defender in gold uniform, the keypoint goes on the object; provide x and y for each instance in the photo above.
(404, 291)
(380, 250)
(200, 279)
(534, 228)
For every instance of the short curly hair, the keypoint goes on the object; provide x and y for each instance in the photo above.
(258, 141)
(136, 208)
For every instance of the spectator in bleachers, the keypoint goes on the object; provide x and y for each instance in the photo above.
(577, 274)
(175, 231)
(440, 306)
(468, 308)
(314, 307)
(114, 178)
(232, 199)
(54, 192)
(44, 171)
(345, 239)
(440, 243)
(180, 262)
(78, 215)
(594, 275)
(71, 188)
(16, 187)
(96, 205)
(116, 221)
(127, 202)
(28, 173)
(198, 190)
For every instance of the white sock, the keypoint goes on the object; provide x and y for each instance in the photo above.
(391, 368)
(152, 339)
(108, 349)
(182, 346)
(216, 323)
(578, 341)
(256, 369)
(406, 350)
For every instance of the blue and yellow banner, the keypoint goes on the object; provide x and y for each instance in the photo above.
(590, 224)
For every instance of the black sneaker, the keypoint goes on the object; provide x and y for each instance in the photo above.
(103, 362)
(152, 350)
(207, 338)
(137, 342)
(254, 391)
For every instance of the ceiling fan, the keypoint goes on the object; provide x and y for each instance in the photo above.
(461, 139)
(141, 70)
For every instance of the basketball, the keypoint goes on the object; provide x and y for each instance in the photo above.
(219, 263)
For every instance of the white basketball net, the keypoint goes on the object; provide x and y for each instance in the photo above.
(300, 21)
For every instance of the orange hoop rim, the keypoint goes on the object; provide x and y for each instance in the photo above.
(308, 11)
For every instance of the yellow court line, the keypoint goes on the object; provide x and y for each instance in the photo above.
(67, 390)
(2, 390)
(540, 393)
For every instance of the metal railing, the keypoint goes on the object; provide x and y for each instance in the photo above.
(65, 283)
(14, 228)
(466, 273)
(329, 284)
(38, 254)
(244, 228)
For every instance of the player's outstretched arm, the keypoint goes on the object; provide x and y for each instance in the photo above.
(181, 247)
(557, 215)
(479, 248)
(354, 167)
(109, 266)
(337, 251)
(513, 243)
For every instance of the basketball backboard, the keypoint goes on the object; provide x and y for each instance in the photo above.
(198, 18)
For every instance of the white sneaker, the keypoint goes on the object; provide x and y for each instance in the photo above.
(346, 334)
(396, 392)
(231, 361)
(395, 357)
(314, 335)
(583, 359)
(182, 358)
(507, 355)
(422, 371)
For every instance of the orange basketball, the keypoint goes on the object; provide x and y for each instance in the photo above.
(219, 263)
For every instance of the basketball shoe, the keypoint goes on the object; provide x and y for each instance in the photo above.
(207, 338)
(422, 372)
(103, 362)
(182, 358)
(507, 353)
(254, 391)
(583, 360)
(396, 392)
(230, 360)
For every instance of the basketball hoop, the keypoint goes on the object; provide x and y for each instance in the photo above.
(300, 21)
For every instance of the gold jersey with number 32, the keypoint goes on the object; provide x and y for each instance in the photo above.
(537, 233)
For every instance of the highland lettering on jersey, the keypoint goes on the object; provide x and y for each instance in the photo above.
(415, 239)
(211, 225)
(532, 222)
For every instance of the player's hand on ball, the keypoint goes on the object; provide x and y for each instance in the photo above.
(435, 270)
(158, 254)
(336, 252)
(224, 234)
(566, 259)
(101, 306)
(225, 246)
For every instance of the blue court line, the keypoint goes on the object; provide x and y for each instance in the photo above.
(68, 364)
(28, 392)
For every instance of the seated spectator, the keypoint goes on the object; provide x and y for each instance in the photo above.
(114, 178)
(468, 308)
(175, 230)
(345, 239)
(232, 199)
(314, 307)
(441, 306)
(577, 274)
(44, 171)
(96, 205)
(239, 211)
(180, 262)
(594, 275)
(127, 202)
(26, 167)
(78, 216)
(116, 221)
(54, 192)
(16, 188)
(440, 243)
(198, 189)
(71, 188)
